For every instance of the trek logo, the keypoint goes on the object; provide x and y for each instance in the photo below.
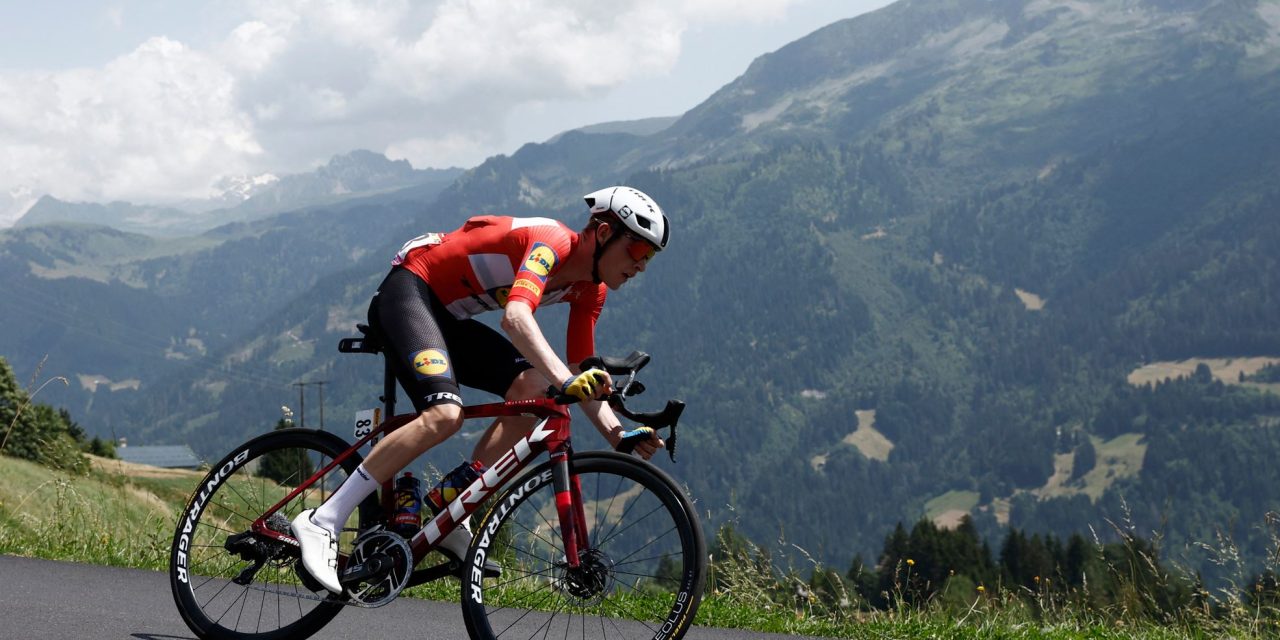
(486, 484)
(443, 395)
(197, 507)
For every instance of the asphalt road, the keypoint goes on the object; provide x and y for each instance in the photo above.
(43, 599)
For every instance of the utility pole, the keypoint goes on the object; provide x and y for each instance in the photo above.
(321, 383)
(302, 403)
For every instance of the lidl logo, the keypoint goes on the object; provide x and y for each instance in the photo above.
(541, 261)
(431, 362)
(501, 294)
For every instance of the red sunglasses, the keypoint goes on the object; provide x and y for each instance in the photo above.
(640, 249)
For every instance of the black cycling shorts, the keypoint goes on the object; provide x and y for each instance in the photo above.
(432, 352)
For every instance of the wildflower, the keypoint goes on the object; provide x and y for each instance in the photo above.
(952, 572)
(982, 589)
(1037, 579)
(910, 562)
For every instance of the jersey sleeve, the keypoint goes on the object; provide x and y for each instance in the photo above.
(584, 310)
(543, 249)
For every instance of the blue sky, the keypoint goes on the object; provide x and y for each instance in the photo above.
(151, 101)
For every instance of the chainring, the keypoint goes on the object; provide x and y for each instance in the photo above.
(394, 561)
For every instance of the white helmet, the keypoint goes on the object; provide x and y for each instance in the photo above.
(641, 215)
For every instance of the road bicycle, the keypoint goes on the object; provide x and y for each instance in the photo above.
(595, 543)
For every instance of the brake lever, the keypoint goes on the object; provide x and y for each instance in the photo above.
(668, 418)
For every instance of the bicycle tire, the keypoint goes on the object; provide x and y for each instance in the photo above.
(647, 583)
(224, 504)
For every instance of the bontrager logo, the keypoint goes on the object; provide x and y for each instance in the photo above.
(197, 507)
(486, 536)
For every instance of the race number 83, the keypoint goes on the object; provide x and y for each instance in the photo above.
(366, 420)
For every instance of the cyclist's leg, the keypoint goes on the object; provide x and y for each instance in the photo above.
(415, 346)
(493, 364)
(414, 327)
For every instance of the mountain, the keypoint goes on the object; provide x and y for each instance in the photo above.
(119, 312)
(916, 257)
(641, 127)
(125, 216)
(355, 174)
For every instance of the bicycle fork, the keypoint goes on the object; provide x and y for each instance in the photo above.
(569, 507)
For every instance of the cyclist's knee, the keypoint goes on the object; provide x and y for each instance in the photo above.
(529, 384)
(441, 419)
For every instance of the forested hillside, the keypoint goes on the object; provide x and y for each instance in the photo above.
(915, 257)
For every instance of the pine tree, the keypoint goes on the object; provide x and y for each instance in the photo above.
(289, 466)
(33, 431)
(1085, 460)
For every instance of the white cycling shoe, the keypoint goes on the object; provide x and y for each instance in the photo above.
(456, 543)
(319, 550)
(455, 546)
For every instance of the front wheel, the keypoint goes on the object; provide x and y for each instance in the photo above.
(641, 576)
(232, 584)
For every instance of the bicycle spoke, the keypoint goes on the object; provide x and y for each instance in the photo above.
(208, 597)
(647, 544)
(522, 616)
(525, 575)
(634, 567)
(609, 509)
(613, 532)
(535, 534)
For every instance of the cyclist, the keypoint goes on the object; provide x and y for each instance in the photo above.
(423, 312)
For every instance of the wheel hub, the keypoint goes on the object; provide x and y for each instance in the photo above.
(590, 581)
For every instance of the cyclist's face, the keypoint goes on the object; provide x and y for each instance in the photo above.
(624, 259)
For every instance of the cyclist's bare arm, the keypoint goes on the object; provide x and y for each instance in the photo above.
(522, 328)
(519, 324)
(608, 424)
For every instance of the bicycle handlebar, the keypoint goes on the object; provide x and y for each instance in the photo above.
(667, 418)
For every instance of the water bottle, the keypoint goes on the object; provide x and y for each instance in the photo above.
(408, 498)
(452, 484)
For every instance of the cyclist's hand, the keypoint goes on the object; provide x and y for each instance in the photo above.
(591, 384)
(642, 440)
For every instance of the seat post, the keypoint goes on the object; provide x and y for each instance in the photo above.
(388, 387)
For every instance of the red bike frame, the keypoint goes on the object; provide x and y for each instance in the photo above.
(551, 433)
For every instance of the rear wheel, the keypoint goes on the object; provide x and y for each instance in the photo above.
(230, 583)
(640, 577)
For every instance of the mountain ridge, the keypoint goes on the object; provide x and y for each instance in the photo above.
(358, 173)
(1116, 157)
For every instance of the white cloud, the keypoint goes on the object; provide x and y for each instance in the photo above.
(299, 80)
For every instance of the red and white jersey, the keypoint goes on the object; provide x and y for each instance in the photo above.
(492, 260)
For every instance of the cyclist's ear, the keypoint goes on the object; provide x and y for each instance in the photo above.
(604, 231)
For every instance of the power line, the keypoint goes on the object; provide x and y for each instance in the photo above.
(302, 400)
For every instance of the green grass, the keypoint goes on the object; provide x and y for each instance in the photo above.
(958, 501)
(102, 518)
(120, 517)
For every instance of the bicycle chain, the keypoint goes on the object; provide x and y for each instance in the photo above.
(303, 596)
